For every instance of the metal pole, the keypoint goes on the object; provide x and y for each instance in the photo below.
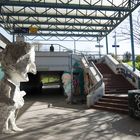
(13, 33)
(115, 43)
(71, 65)
(106, 44)
(99, 50)
(132, 42)
(74, 46)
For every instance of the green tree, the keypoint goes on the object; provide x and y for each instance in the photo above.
(138, 58)
(127, 56)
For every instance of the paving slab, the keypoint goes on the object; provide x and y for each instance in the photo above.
(47, 118)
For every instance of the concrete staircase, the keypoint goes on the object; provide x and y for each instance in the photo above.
(116, 91)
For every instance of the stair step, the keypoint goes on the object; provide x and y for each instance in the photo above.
(109, 104)
(116, 91)
(112, 75)
(112, 109)
(114, 96)
(112, 84)
(119, 83)
(123, 101)
(117, 87)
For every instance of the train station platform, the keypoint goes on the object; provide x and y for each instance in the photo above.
(61, 121)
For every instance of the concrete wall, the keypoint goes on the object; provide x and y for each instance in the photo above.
(54, 61)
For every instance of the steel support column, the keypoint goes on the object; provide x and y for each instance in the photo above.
(132, 41)
(74, 46)
(106, 44)
(13, 33)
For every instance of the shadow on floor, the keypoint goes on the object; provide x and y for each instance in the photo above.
(52, 97)
(128, 126)
(70, 122)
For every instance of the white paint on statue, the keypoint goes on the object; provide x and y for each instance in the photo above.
(67, 85)
(17, 59)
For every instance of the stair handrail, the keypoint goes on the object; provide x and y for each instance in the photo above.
(91, 64)
(4, 39)
(111, 62)
(99, 83)
(124, 69)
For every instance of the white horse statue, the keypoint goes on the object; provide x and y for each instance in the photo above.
(17, 59)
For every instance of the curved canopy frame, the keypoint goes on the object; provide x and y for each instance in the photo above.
(64, 19)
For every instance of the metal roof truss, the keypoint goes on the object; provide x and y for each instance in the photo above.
(75, 19)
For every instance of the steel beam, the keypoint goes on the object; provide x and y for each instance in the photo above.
(63, 35)
(61, 16)
(63, 6)
(55, 23)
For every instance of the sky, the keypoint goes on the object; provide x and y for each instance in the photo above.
(90, 46)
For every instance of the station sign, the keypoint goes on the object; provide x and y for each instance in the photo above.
(31, 29)
(21, 30)
(99, 46)
(117, 46)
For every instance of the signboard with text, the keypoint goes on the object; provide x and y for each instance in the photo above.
(21, 30)
(116, 46)
(99, 46)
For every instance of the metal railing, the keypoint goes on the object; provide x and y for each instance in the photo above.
(41, 47)
(45, 47)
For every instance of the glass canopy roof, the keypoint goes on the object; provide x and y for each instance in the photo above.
(64, 19)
